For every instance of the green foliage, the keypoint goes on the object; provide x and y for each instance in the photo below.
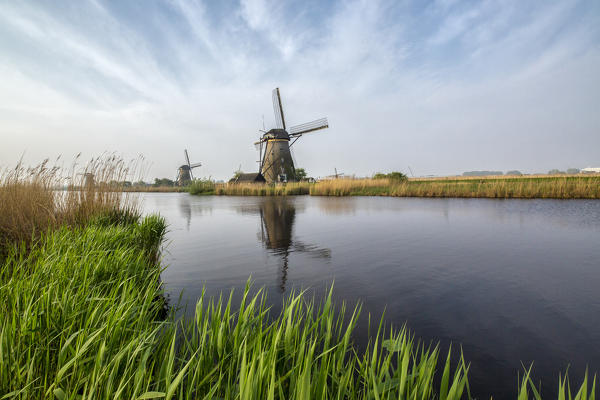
(300, 174)
(163, 182)
(80, 312)
(82, 317)
(392, 176)
(572, 171)
(117, 216)
(202, 186)
(514, 172)
(583, 392)
(555, 172)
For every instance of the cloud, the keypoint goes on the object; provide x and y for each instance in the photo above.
(443, 88)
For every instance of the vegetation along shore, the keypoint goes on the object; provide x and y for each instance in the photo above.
(518, 187)
(83, 316)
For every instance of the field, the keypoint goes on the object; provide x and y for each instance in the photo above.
(525, 187)
(83, 316)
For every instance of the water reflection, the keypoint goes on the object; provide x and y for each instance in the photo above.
(510, 281)
(189, 209)
(277, 216)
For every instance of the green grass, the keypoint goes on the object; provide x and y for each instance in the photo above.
(82, 320)
(83, 317)
(202, 187)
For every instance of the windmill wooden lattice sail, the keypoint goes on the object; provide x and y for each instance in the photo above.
(276, 162)
(184, 173)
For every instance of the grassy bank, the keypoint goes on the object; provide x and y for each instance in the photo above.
(554, 187)
(249, 189)
(83, 316)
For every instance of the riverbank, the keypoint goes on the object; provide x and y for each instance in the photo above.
(83, 316)
(509, 187)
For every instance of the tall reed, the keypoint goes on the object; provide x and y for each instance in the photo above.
(562, 187)
(33, 200)
(351, 187)
(261, 189)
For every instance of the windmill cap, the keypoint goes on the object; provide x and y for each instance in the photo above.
(277, 134)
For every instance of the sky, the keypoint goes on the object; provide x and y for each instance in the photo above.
(432, 87)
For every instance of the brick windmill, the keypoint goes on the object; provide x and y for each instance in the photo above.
(276, 163)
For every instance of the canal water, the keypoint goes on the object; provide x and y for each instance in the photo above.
(511, 281)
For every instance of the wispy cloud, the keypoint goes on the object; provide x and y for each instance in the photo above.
(442, 87)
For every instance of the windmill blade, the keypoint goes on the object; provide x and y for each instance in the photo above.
(186, 157)
(278, 108)
(315, 125)
(292, 153)
(196, 165)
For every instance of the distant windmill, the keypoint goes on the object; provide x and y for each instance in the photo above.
(184, 173)
(276, 162)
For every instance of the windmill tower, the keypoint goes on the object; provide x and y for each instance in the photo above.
(184, 173)
(276, 163)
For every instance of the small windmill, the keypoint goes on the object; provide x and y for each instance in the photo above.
(276, 162)
(184, 173)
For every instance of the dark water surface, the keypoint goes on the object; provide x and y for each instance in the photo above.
(512, 281)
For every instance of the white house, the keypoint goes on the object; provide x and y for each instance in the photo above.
(590, 170)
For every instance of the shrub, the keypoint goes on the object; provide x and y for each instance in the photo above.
(392, 176)
(202, 186)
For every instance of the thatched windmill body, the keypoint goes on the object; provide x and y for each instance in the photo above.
(184, 173)
(276, 162)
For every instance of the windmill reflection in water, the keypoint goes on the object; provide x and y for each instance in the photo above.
(277, 216)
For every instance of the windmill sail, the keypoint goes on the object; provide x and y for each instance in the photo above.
(184, 173)
(301, 129)
(275, 158)
(278, 108)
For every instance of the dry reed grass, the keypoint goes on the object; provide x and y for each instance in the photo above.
(350, 187)
(36, 199)
(257, 189)
(556, 187)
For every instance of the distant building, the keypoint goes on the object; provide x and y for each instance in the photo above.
(590, 170)
(254, 177)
